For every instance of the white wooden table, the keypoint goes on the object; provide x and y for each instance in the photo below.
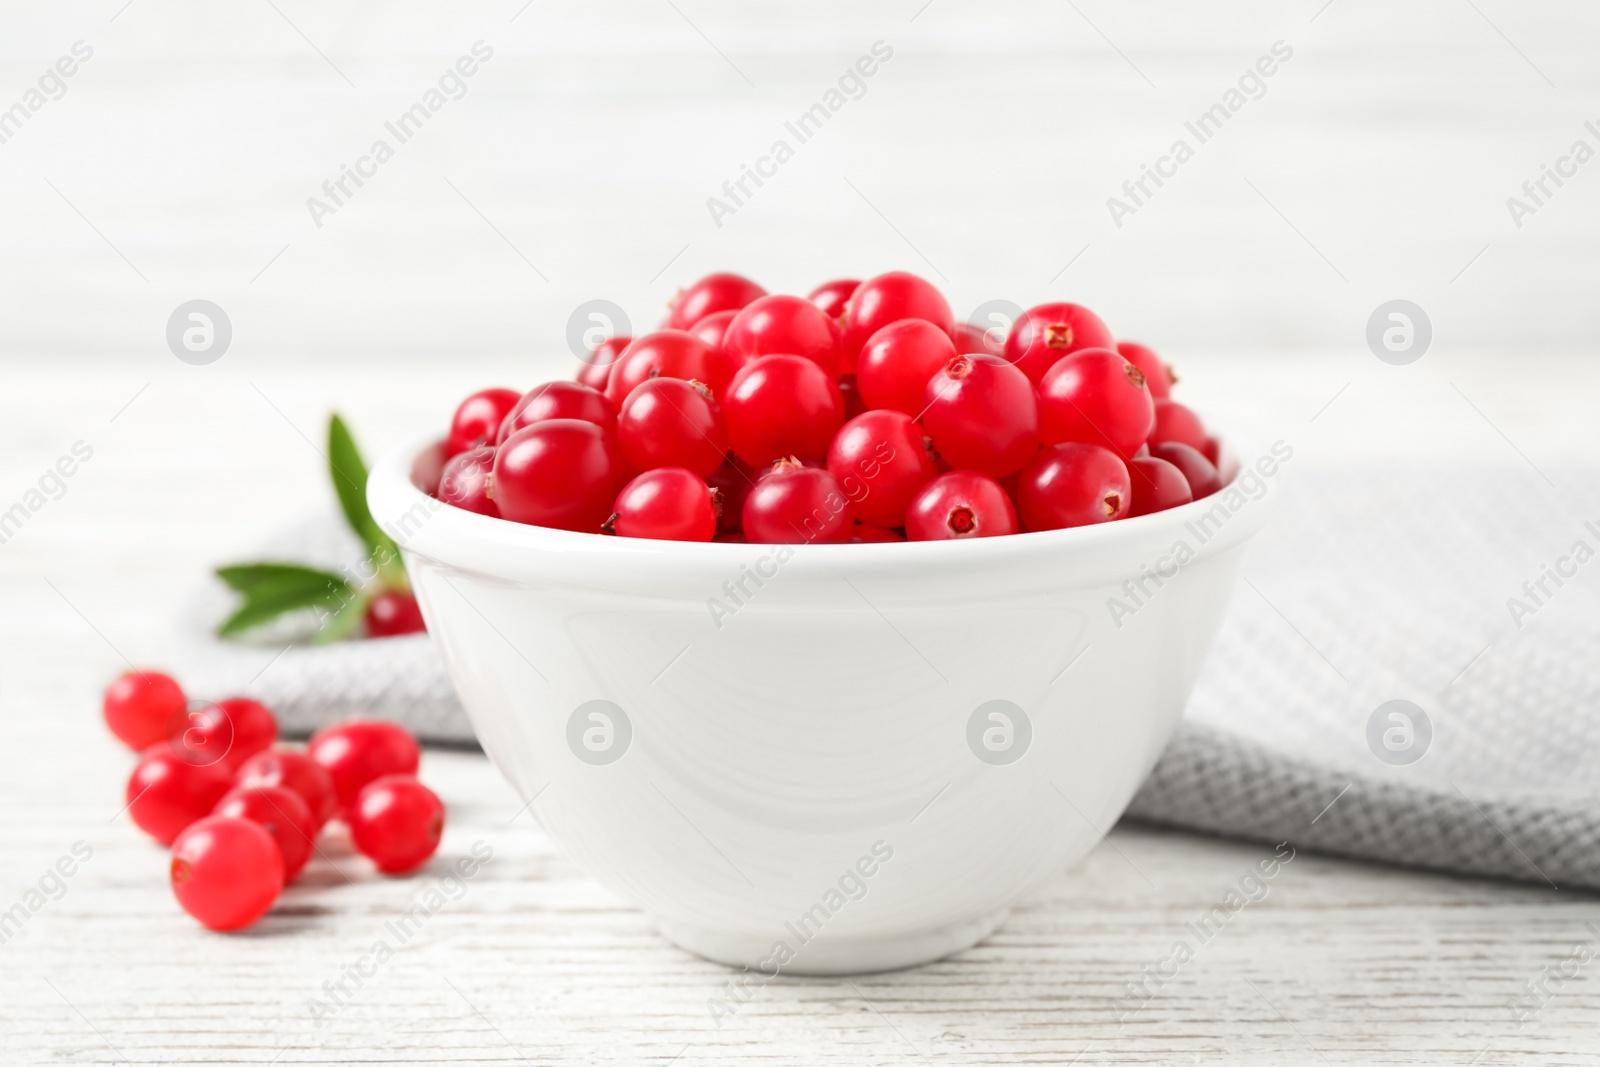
(1341, 962)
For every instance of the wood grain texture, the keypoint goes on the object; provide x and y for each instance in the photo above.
(533, 963)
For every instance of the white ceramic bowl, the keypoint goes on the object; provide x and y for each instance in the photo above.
(819, 759)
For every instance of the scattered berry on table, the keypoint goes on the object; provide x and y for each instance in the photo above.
(242, 816)
(396, 822)
(357, 751)
(293, 769)
(281, 813)
(166, 792)
(226, 871)
(227, 731)
(141, 708)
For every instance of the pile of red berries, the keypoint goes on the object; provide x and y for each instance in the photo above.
(242, 814)
(861, 413)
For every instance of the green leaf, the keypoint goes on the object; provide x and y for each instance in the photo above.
(274, 589)
(349, 473)
(247, 577)
(342, 622)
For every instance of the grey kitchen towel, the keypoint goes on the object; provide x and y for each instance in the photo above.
(1409, 672)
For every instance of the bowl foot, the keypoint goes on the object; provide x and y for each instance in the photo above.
(822, 955)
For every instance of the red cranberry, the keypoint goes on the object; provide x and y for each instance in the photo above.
(732, 481)
(713, 328)
(166, 792)
(713, 293)
(894, 367)
(595, 371)
(879, 301)
(1157, 485)
(295, 770)
(795, 504)
(1095, 395)
(1157, 375)
(670, 354)
(1195, 468)
(970, 338)
(467, 481)
(668, 422)
(784, 324)
(831, 297)
(959, 505)
(226, 872)
(1072, 484)
(563, 473)
(1044, 334)
(862, 534)
(361, 750)
(782, 405)
(478, 419)
(281, 813)
(1174, 422)
(394, 614)
(881, 460)
(396, 822)
(141, 707)
(668, 504)
(226, 732)
(982, 415)
(558, 400)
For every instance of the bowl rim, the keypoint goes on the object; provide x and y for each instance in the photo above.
(495, 546)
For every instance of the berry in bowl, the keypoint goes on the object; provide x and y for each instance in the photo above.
(820, 639)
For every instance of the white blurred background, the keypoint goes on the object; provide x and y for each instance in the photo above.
(981, 155)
